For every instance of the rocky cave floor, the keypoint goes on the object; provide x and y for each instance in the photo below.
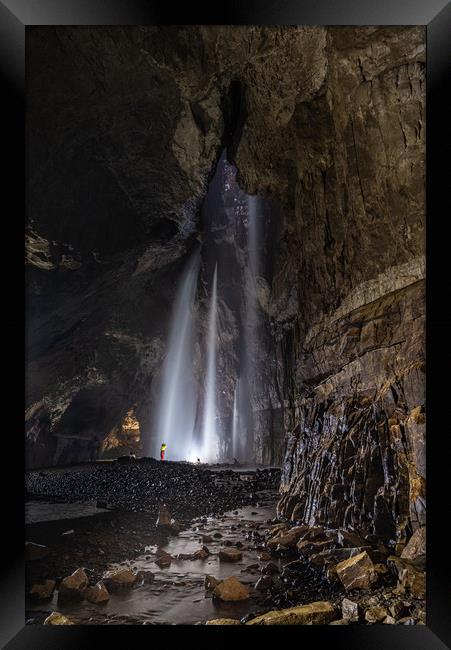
(144, 542)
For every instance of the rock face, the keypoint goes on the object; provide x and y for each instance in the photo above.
(318, 613)
(328, 123)
(416, 546)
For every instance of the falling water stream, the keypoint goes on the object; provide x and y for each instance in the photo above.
(178, 403)
(210, 440)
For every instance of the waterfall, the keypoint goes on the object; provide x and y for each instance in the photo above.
(235, 422)
(209, 431)
(177, 405)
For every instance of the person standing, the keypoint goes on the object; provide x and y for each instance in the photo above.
(162, 450)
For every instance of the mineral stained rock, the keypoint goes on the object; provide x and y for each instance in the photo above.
(231, 589)
(318, 613)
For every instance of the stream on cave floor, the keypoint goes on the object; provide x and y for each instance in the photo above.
(177, 594)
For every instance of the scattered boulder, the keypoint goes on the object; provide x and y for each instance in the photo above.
(350, 610)
(230, 555)
(35, 551)
(72, 587)
(357, 572)
(264, 556)
(116, 579)
(376, 614)
(317, 613)
(97, 593)
(416, 546)
(56, 618)
(201, 554)
(43, 590)
(207, 539)
(223, 621)
(231, 589)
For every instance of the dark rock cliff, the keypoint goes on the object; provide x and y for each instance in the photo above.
(125, 128)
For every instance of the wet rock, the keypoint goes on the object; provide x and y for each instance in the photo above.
(357, 572)
(263, 556)
(146, 576)
(264, 583)
(117, 579)
(97, 594)
(35, 551)
(206, 539)
(271, 568)
(286, 538)
(223, 621)
(251, 567)
(376, 614)
(56, 618)
(201, 554)
(317, 613)
(416, 546)
(217, 535)
(210, 582)
(389, 620)
(231, 589)
(350, 610)
(230, 555)
(72, 587)
(43, 591)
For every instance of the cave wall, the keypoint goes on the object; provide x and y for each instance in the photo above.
(125, 127)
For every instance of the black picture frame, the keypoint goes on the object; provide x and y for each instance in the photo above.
(15, 16)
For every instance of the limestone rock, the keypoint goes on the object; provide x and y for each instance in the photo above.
(116, 579)
(223, 621)
(376, 614)
(350, 610)
(317, 613)
(56, 618)
(43, 591)
(72, 587)
(357, 572)
(231, 589)
(230, 555)
(97, 593)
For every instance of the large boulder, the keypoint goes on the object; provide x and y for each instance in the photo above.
(97, 593)
(231, 589)
(230, 555)
(287, 538)
(72, 587)
(116, 579)
(56, 618)
(357, 572)
(317, 613)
